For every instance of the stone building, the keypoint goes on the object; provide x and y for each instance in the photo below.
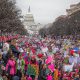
(73, 9)
(30, 24)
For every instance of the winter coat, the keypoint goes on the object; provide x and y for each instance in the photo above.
(56, 74)
(11, 65)
(40, 68)
(43, 74)
(49, 77)
(26, 63)
(33, 69)
(1, 63)
(14, 50)
(21, 65)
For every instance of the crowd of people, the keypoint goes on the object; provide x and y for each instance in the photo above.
(36, 58)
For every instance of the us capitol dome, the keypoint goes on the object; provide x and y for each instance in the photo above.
(29, 22)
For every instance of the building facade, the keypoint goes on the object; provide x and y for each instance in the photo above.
(30, 24)
(73, 9)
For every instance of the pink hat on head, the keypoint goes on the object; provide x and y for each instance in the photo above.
(76, 70)
(72, 52)
(49, 77)
(29, 78)
(33, 57)
(40, 55)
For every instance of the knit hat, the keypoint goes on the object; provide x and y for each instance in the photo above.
(40, 55)
(33, 57)
(29, 78)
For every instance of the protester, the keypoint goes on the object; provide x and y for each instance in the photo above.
(32, 58)
(11, 67)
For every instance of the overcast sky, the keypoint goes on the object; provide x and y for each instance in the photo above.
(45, 11)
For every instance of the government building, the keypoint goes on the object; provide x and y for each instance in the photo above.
(30, 24)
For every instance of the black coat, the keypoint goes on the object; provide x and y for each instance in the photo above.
(43, 74)
(14, 50)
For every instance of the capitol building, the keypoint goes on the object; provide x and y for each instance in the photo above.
(30, 24)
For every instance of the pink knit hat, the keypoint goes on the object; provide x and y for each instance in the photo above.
(29, 78)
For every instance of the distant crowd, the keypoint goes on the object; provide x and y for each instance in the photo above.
(37, 58)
